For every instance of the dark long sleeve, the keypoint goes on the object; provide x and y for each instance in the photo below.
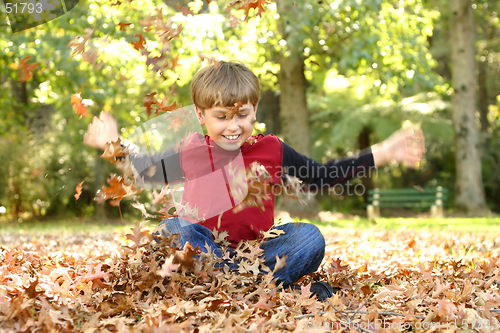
(163, 167)
(316, 175)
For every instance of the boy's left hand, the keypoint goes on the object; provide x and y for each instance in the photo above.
(404, 146)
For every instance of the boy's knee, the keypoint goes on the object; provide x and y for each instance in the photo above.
(311, 231)
(314, 239)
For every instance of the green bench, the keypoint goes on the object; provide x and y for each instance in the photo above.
(432, 198)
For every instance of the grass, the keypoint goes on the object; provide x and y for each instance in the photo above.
(67, 226)
(456, 225)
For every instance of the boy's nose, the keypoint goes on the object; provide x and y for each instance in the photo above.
(233, 124)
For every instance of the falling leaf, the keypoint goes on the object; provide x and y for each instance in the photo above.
(91, 57)
(27, 69)
(138, 45)
(246, 5)
(165, 107)
(184, 10)
(78, 190)
(122, 25)
(280, 263)
(76, 102)
(175, 63)
(142, 208)
(211, 60)
(114, 150)
(149, 100)
(78, 44)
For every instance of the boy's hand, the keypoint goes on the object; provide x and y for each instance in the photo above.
(101, 131)
(404, 146)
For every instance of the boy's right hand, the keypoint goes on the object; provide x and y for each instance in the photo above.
(101, 131)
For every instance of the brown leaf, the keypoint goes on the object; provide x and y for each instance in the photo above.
(280, 263)
(149, 100)
(122, 25)
(138, 45)
(79, 45)
(138, 235)
(76, 103)
(168, 267)
(246, 5)
(184, 10)
(27, 69)
(337, 265)
(78, 190)
(96, 276)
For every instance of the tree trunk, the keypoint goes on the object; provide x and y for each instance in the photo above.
(483, 95)
(269, 112)
(469, 191)
(483, 103)
(364, 142)
(294, 115)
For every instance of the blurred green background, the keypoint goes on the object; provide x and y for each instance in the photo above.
(356, 71)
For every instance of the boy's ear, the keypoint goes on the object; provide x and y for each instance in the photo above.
(199, 115)
(255, 111)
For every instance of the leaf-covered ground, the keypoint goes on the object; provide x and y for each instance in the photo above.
(393, 280)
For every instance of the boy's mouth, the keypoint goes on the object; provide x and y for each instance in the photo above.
(231, 137)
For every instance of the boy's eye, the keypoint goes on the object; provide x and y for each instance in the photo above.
(243, 115)
(221, 117)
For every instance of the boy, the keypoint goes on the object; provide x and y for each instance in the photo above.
(226, 97)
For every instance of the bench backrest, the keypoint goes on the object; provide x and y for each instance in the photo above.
(408, 198)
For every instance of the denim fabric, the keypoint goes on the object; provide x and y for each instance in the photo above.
(302, 243)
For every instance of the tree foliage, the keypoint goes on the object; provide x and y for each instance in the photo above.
(132, 57)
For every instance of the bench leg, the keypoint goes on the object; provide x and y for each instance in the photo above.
(437, 211)
(372, 212)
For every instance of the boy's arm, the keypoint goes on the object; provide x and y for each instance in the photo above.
(101, 131)
(163, 167)
(154, 168)
(403, 146)
(316, 175)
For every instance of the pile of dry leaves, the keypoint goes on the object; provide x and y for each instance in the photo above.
(400, 281)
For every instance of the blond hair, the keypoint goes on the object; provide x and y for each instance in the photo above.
(224, 84)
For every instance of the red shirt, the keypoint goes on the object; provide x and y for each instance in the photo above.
(208, 184)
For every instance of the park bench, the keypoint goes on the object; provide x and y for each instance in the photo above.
(432, 198)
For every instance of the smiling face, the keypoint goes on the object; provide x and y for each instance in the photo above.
(229, 133)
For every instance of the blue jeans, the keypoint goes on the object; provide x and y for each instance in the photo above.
(302, 243)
